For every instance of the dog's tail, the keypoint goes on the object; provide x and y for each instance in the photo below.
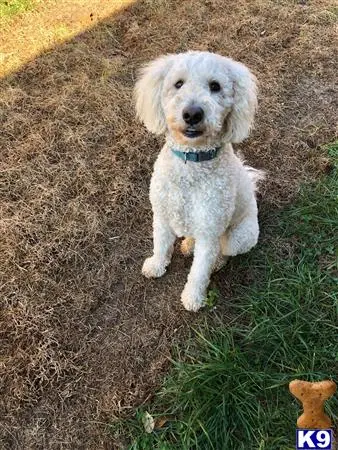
(255, 175)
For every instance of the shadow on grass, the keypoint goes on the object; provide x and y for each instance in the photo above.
(42, 26)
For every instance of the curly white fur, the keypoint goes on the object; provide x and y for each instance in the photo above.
(212, 203)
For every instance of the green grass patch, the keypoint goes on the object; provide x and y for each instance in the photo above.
(10, 8)
(229, 387)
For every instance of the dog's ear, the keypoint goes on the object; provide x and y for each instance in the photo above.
(240, 120)
(148, 91)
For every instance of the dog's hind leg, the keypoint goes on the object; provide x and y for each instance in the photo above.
(187, 246)
(242, 237)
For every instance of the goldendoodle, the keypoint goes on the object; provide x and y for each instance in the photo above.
(199, 189)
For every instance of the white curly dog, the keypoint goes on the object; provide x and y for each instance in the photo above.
(199, 189)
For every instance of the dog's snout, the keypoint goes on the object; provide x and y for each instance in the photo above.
(192, 115)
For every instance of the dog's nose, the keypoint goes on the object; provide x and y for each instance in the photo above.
(193, 115)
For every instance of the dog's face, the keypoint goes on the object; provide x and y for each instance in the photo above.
(197, 95)
(198, 98)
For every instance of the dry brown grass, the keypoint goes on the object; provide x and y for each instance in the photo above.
(83, 336)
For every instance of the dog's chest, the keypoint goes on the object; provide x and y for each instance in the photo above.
(190, 201)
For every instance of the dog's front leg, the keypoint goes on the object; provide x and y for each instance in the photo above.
(164, 239)
(205, 255)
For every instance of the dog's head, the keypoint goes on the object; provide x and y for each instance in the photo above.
(197, 98)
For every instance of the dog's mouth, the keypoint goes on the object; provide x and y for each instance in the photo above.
(191, 132)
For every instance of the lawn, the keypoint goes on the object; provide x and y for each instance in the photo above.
(228, 388)
(85, 339)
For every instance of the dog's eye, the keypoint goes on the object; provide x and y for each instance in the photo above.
(214, 86)
(179, 84)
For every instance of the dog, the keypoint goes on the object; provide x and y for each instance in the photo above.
(200, 190)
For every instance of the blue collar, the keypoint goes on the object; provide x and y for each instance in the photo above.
(197, 156)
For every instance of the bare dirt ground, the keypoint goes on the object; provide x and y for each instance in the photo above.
(84, 337)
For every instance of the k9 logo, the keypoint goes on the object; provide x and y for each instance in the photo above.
(314, 439)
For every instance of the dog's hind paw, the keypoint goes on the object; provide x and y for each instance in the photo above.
(152, 268)
(187, 246)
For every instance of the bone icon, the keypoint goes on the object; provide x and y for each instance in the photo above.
(313, 396)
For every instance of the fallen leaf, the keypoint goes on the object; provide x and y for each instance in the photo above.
(148, 422)
(161, 421)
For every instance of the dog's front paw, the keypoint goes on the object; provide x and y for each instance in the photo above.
(152, 268)
(192, 299)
